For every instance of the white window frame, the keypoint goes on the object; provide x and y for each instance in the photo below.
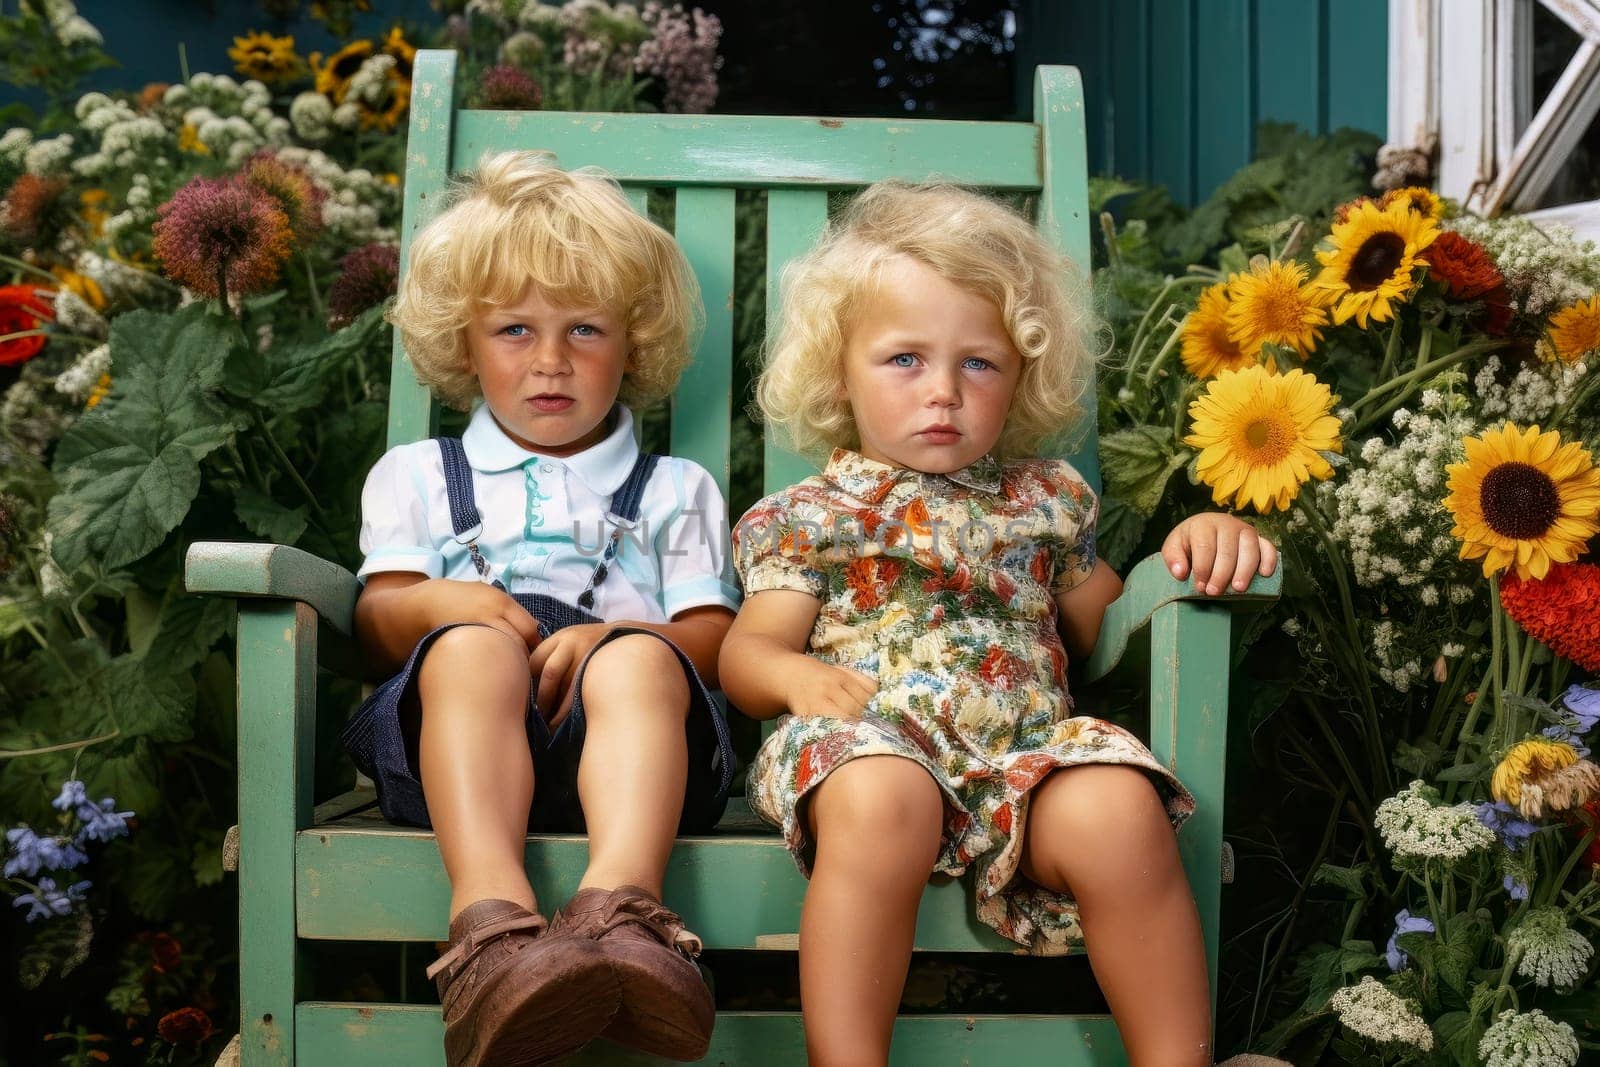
(1460, 86)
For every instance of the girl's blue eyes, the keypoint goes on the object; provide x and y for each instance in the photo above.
(908, 359)
(583, 329)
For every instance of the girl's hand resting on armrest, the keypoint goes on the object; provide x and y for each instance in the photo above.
(1217, 547)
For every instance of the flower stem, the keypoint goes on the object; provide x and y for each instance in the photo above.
(17, 753)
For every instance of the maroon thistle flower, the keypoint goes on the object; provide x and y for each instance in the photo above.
(509, 89)
(367, 277)
(299, 197)
(221, 236)
(186, 1026)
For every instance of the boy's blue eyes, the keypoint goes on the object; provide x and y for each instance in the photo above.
(909, 359)
(583, 329)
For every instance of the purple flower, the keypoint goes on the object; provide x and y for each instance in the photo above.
(1518, 890)
(1501, 817)
(25, 858)
(47, 901)
(218, 233)
(103, 823)
(507, 88)
(1404, 923)
(367, 277)
(73, 795)
(1584, 704)
(1563, 733)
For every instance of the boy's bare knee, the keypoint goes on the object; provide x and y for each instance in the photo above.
(623, 665)
(476, 652)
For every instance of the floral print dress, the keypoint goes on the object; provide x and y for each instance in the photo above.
(942, 587)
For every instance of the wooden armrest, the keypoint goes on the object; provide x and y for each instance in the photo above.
(273, 572)
(1151, 586)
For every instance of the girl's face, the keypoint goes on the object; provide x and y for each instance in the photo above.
(549, 372)
(929, 371)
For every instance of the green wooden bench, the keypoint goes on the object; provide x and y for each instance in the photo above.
(335, 871)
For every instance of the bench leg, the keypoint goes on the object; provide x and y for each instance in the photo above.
(277, 711)
(1189, 733)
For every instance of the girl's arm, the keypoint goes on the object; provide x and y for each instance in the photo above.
(765, 670)
(396, 608)
(1217, 548)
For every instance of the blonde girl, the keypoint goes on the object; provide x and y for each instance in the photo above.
(910, 612)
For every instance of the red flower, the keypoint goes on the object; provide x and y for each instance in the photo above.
(1468, 273)
(1002, 819)
(1560, 610)
(22, 308)
(1039, 567)
(509, 88)
(869, 579)
(1003, 586)
(917, 517)
(367, 277)
(186, 1026)
(166, 953)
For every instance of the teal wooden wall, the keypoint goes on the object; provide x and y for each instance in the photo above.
(1175, 88)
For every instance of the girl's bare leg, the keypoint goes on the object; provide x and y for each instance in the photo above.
(876, 821)
(1100, 832)
(635, 761)
(476, 769)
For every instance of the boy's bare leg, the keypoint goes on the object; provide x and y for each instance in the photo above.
(635, 760)
(476, 769)
(877, 822)
(1100, 832)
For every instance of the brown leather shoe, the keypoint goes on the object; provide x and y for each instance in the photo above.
(512, 996)
(666, 1007)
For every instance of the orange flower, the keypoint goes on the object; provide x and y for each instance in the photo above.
(870, 579)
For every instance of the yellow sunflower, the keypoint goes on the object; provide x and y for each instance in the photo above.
(1368, 266)
(1272, 303)
(266, 58)
(1575, 330)
(333, 75)
(1523, 500)
(1207, 349)
(1261, 436)
(1417, 198)
(1539, 776)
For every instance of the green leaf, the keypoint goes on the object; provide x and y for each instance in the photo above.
(188, 627)
(1464, 773)
(1416, 759)
(297, 375)
(130, 775)
(129, 469)
(1350, 879)
(58, 947)
(1119, 531)
(265, 517)
(207, 862)
(1138, 462)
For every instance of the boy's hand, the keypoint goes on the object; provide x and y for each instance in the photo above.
(1217, 547)
(555, 662)
(816, 688)
(442, 601)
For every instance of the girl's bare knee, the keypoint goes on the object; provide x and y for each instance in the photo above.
(878, 798)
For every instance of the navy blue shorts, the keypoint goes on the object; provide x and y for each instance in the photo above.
(377, 739)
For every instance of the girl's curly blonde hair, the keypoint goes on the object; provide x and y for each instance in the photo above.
(975, 242)
(519, 220)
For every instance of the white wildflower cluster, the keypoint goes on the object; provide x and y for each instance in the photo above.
(598, 32)
(123, 137)
(1545, 269)
(370, 84)
(14, 145)
(1532, 395)
(1529, 1039)
(138, 212)
(1553, 953)
(1372, 1010)
(1414, 826)
(79, 380)
(311, 113)
(356, 199)
(230, 118)
(69, 27)
(508, 13)
(50, 157)
(1394, 667)
(76, 315)
(116, 279)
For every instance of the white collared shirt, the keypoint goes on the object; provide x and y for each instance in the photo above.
(544, 522)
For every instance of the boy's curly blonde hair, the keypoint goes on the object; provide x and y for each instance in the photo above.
(975, 242)
(519, 220)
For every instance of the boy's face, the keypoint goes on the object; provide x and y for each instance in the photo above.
(549, 372)
(929, 371)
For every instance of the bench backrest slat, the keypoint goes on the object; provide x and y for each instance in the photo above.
(699, 161)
